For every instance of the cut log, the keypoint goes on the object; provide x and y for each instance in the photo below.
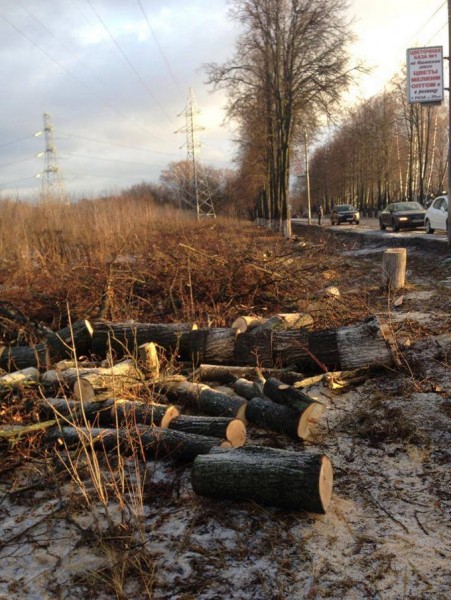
(115, 380)
(228, 374)
(308, 411)
(206, 400)
(246, 323)
(249, 389)
(148, 360)
(59, 345)
(66, 342)
(124, 338)
(283, 419)
(110, 412)
(353, 347)
(213, 345)
(283, 322)
(23, 378)
(279, 418)
(152, 442)
(288, 395)
(226, 428)
(280, 478)
(394, 262)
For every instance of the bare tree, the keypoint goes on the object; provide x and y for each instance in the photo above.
(291, 59)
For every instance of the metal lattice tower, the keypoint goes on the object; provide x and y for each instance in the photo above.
(197, 192)
(52, 189)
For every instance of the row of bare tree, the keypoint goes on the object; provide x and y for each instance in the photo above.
(385, 150)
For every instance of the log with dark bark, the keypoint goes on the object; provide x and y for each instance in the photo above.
(249, 389)
(230, 373)
(59, 345)
(290, 396)
(206, 400)
(153, 442)
(213, 345)
(344, 348)
(124, 338)
(353, 347)
(226, 428)
(109, 412)
(276, 417)
(293, 480)
(308, 410)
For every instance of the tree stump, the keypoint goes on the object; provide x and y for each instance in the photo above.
(394, 262)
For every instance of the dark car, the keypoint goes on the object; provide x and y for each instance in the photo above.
(345, 213)
(405, 215)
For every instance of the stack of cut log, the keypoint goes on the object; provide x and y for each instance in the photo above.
(97, 405)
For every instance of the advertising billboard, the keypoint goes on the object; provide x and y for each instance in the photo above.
(425, 74)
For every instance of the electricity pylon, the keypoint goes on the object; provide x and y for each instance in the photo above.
(197, 193)
(52, 188)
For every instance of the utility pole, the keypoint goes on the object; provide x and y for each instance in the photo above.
(449, 127)
(307, 179)
(52, 189)
(198, 194)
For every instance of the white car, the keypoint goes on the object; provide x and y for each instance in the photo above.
(436, 216)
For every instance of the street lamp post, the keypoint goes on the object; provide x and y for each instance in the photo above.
(449, 127)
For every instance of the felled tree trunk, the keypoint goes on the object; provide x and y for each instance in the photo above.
(124, 338)
(206, 400)
(281, 478)
(109, 412)
(230, 373)
(152, 442)
(24, 378)
(307, 410)
(248, 389)
(279, 418)
(59, 345)
(226, 428)
(212, 345)
(115, 380)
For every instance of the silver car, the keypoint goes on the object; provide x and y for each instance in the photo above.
(436, 216)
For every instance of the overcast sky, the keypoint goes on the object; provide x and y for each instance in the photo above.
(114, 76)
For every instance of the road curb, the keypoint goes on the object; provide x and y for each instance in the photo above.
(375, 237)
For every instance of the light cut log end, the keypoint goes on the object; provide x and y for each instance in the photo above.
(83, 390)
(236, 433)
(309, 420)
(326, 479)
(169, 415)
(241, 414)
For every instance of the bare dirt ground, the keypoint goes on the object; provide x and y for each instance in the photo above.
(386, 534)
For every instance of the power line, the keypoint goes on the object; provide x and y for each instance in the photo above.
(130, 64)
(25, 137)
(160, 49)
(61, 66)
(115, 160)
(82, 137)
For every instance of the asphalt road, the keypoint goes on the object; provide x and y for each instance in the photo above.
(368, 232)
